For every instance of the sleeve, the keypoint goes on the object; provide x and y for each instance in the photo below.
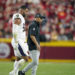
(15, 32)
(33, 30)
(16, 16)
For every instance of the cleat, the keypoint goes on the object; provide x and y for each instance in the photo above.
(21, 73)
(11, 73)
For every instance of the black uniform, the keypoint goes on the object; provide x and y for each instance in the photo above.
(34, 30)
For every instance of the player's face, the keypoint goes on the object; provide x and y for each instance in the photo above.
(39, 20)
(26, 11)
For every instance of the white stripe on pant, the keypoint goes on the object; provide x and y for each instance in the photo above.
(34, 54)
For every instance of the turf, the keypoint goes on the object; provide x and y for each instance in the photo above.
(43, 69)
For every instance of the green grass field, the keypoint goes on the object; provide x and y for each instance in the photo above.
(43, 69)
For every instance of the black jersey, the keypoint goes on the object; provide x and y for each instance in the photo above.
(34, 29)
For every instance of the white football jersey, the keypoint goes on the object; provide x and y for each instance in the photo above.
(19, 29)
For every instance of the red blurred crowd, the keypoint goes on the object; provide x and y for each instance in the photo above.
(60, 15)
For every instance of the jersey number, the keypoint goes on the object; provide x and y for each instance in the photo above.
(23, 27)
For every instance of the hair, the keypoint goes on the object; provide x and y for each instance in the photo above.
(23, 7)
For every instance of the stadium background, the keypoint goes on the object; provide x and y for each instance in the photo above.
(57, 33)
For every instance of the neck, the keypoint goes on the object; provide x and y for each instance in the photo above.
(20, 12)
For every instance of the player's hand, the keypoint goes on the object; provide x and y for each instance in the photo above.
(38, 47)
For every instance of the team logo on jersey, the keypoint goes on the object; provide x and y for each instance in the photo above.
(33, 28)
(17, 15)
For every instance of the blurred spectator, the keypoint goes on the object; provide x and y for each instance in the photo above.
(2, 32)
(62, 35)
(59, 17)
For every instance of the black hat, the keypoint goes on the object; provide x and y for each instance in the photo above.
(38, 16)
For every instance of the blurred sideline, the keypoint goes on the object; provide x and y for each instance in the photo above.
(43, 58)
(50, 43)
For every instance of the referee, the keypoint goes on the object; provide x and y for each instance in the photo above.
(34, 45)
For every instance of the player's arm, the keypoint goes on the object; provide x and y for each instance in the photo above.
(44, 20)
(35, 41)
(17, 21)
(15, 37)
(32, 36)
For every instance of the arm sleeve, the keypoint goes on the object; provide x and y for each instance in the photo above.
(33, 30)
(16, 16)
(15, 32)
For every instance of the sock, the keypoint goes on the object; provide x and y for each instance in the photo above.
(18, 64)
(15, 63)
(21, 62)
